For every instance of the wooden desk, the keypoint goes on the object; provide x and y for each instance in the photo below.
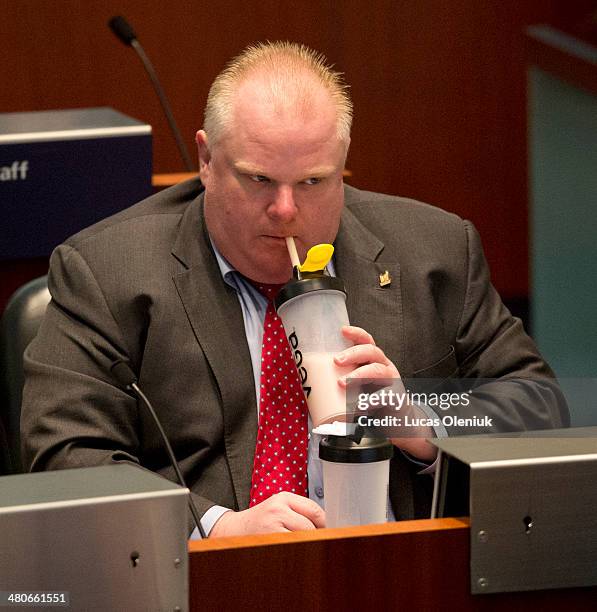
(409, 565)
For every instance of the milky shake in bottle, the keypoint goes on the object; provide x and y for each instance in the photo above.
(312, 306)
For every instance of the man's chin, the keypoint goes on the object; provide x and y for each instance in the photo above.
(273, 279)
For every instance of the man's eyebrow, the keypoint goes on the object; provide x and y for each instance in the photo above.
(247, 168)
(319, 171)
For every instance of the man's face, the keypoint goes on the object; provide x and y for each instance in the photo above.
(273, 174)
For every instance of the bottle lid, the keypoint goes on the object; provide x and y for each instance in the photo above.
(347, 449)
(307, 283)
(318, 257)
(311, 276)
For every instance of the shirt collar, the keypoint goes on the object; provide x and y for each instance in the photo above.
(227, 270)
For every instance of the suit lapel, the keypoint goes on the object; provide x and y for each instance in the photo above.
(215, 315)
(359, 262)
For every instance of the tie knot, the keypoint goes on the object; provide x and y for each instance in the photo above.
(267, 290)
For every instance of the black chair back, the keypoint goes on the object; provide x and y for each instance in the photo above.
(18, 326)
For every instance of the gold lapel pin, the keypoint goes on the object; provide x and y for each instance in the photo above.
(384, 279)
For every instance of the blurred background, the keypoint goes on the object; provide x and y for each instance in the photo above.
(440, 88)
(485, 108)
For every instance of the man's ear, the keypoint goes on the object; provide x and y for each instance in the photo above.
(203, 154)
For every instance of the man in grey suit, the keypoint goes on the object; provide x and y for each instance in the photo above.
(164, 286)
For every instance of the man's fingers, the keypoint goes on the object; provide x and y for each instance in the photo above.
(372, 371)
(297, 522)
(281, 512)
(368, 360)
(307, 508)
(357, 335)
(361, 354)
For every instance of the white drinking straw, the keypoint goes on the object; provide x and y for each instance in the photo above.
(294, 258)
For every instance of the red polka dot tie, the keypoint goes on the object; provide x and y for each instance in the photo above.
(281, 450)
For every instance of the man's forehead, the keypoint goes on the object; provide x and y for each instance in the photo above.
(258, 102)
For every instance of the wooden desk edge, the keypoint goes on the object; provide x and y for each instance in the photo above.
(235, 542)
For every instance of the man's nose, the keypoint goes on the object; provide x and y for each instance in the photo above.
(283, 208)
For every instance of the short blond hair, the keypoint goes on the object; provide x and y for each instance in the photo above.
(291, 70)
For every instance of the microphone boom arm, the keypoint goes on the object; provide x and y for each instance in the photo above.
(123, 30)
(164, 102)
(170, 452)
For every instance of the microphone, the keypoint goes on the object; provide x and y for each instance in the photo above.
(123, 30)
(126, 377)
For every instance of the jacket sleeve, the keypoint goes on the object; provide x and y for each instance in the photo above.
(74, 413)
(513, 386)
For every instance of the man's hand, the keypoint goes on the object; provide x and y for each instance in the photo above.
(370, 362)
(281, 512)
(367, 358)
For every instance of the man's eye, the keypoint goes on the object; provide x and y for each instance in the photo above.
(259, 178)
(312, 181)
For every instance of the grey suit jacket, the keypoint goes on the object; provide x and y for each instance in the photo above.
(144, 286)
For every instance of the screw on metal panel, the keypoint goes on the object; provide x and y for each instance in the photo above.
(483, 582)
(482, 536)
(135, 556)
(177, 562)
(528, 524)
